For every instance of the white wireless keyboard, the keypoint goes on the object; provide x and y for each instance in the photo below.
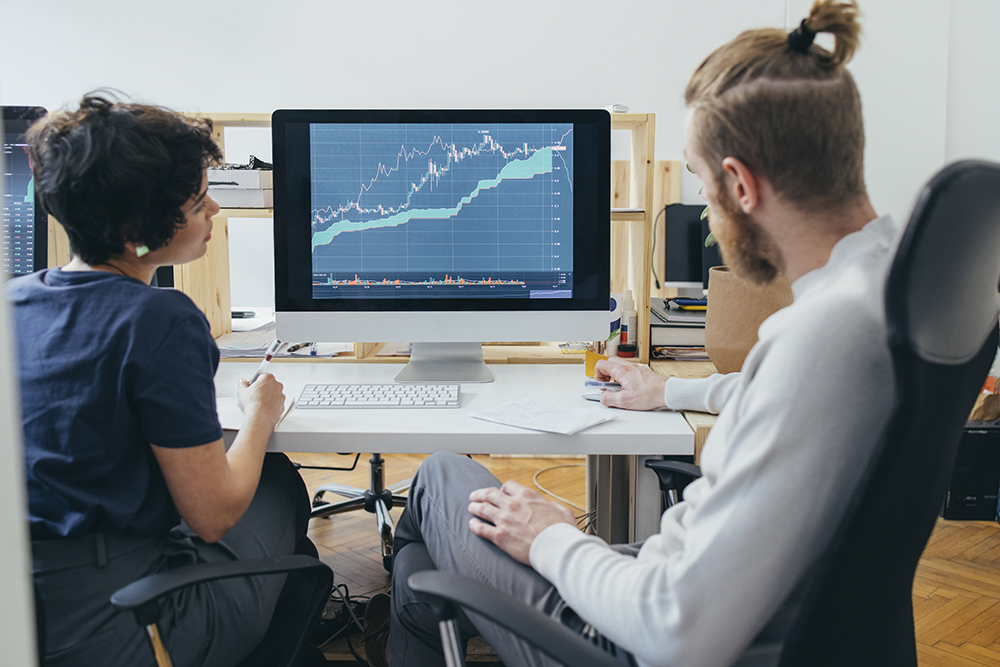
(326, 396)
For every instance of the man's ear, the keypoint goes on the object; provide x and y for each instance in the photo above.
(742, 184)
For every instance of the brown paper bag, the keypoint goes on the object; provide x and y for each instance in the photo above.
(736, 308)
(987, 407)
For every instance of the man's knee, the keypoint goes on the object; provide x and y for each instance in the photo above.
(439, 465)
(444, 470)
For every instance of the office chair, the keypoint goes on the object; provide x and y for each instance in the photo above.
(144, 597)
(855, 607)
(376, 499)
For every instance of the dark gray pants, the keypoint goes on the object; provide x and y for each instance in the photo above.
(217, 624)
(433, 533)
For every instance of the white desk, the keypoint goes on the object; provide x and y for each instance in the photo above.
(429, 430)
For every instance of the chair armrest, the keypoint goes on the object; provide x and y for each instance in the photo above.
(543, 632)
(674, 475)
(142, 596)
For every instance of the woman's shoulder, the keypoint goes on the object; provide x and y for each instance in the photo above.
(166, 306)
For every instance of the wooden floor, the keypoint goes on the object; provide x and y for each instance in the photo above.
(955, 594)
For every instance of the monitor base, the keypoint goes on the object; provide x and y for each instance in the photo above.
(445, 362)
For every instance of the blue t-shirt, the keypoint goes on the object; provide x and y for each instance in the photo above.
(108, 365)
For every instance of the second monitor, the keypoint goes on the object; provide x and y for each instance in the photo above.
(443, 228)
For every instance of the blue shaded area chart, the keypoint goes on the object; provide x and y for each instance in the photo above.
(441, 210)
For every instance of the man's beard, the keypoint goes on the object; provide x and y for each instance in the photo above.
(744, 245)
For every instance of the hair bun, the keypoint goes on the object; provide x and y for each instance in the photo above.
(801, 38)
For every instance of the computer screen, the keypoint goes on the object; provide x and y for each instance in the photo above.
(441, 226)
(24, 234)
(687, 258)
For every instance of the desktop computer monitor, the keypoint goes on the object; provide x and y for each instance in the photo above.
(24, 236)
(687, 257)
(443, 228)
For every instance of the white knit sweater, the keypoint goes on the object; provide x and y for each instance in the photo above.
(801, 418)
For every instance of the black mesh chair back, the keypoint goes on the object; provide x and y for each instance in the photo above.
(941, 304)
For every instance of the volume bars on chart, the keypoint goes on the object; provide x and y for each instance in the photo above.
(460, 202)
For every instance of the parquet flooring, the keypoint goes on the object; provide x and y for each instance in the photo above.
(349, 544)
(956, 596)
(956, 591)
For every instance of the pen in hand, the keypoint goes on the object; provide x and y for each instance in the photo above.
(271, 351)
(603, 386)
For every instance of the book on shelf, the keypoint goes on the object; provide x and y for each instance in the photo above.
(679, 352)
(669, 335)
(245, 179)
(671, 326)
(242, 198)
(665, 310)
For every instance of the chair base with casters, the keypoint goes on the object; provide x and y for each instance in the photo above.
(143, 597)
(376, 499)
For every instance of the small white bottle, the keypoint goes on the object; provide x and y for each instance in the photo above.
(611, 345)
(629, 320)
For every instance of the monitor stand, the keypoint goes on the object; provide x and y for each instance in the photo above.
(445, 362)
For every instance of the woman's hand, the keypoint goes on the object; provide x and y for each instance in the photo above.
(264, 399)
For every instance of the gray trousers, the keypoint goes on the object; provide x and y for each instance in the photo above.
(433, 533)
(217, 624)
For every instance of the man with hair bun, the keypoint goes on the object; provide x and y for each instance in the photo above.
(774, 131)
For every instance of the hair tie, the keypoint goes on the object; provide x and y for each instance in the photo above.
(801, 38)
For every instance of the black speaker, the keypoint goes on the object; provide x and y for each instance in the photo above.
(972, 494)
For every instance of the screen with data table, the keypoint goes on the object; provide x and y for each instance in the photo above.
(24, 228)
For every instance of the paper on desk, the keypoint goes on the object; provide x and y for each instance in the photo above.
(254, 344)
(231, 417)
(528, 413)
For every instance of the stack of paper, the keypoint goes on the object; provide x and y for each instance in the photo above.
(254, 344)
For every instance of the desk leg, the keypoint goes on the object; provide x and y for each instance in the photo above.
(648, 501)
(609, 487)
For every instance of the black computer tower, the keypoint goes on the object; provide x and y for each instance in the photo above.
(972, 494)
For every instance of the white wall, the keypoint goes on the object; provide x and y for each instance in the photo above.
(918, 81)
(922, 85)
(973, 127)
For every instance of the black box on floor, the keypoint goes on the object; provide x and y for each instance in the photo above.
(972, 494)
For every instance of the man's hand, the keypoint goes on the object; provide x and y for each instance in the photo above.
(642, 389)
(518, 515)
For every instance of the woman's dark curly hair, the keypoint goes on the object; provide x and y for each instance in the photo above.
(113, 172)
